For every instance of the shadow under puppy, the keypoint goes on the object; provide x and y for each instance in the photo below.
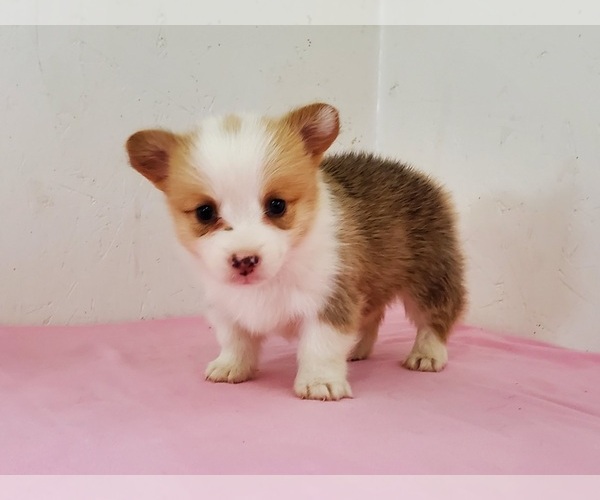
(289, 242)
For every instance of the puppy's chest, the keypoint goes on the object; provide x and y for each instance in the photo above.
(267, 310)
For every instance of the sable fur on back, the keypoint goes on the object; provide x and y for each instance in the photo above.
(400, 241)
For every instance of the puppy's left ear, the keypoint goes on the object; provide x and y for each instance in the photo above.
(318, 124)
(150, 153)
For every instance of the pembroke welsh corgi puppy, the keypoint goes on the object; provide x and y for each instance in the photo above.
(290, 242)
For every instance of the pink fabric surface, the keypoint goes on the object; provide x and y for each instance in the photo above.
(130, 398)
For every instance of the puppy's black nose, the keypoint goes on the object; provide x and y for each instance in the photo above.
(245, 265)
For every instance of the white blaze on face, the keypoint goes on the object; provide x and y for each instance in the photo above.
(232, 164)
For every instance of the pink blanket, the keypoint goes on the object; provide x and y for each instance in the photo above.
(131, 399)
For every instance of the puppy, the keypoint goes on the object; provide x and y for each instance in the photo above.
(289, 242)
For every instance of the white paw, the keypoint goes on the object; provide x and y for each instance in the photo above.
(429, 354)
(226, 371)
(424, 363)
(322, 389)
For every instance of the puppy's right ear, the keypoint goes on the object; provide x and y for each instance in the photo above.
(150, 152)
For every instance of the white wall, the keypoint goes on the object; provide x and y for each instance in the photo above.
(509, 119)
(83, 236)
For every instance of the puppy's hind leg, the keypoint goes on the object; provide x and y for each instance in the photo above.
(429, 352)
(367, 335)
(434, 321)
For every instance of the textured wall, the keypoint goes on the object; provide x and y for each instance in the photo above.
(84, 237)
(509, 118)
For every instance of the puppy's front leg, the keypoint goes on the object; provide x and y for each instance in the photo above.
(238, 359)
(322, 366)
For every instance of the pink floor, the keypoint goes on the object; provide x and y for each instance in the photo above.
(131, 399)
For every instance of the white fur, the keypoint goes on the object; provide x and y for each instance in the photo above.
(299, 290)
(232, 164)
(429, 353)
(238, 359)
(232, 160)
(322, 366)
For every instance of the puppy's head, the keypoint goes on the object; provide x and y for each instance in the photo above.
(243, 191)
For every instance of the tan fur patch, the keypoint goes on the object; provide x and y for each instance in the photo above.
(186, 190)
(232, 124)
(164, 158)
(291, 175)
(291, 172)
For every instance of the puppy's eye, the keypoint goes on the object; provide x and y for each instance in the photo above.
(206, 214)
(276, 207)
